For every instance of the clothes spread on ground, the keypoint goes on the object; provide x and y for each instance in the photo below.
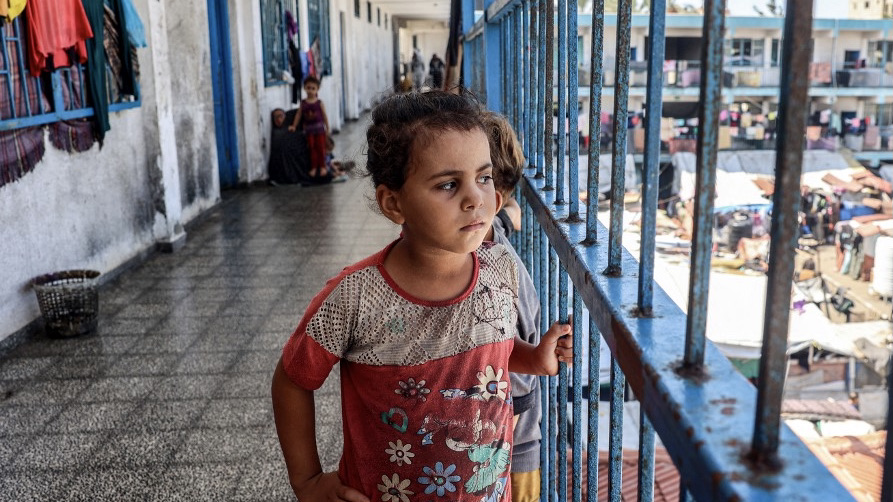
(57, 31)
(426, 399)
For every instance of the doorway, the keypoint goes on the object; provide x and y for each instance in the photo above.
(224, 103)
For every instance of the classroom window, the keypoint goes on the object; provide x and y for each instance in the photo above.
(378, 15)
(274, 16)
(880, 53)
(318, 29)
(386, 21)
(369, 11)
(744, 52)
(57, 95)
(356, 9)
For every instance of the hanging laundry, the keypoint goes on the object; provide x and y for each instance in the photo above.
(4, 8)
(55, 29)
(20, 151)
(291, 26)
(13, 8)
(96, 63)
(136, 32)
(112, 44)
(72, 135)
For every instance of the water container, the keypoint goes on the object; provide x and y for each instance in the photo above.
(882, 282)
(740, 225)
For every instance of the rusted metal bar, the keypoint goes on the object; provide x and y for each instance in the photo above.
(562, 102)
(618, 148)
(595, 110)
(792, 110)
(705, 185)
(651, 166)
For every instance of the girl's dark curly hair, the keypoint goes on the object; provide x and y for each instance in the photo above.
(404, 122)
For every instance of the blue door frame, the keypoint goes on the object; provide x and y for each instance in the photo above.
(224, 103)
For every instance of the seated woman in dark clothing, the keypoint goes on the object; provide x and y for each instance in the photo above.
(290, 157)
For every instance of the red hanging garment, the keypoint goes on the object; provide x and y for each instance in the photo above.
(56, 28)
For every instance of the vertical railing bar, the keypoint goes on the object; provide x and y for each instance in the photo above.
(562, 102)
(8, 72)
(518, 56)
(552, 315)
(595, 124)
(887, 479)
(618, 148)
(573, 184)
(784, 233)
(548, 67)
(651, 169)
(543, 70)
(562, 390)
(699, 274)
(529, 65)
(645, 486)
(543, 280)
(615, 443)
(577, 388)
(592, 425)
(520, 92)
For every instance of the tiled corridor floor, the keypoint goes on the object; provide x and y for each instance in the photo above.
(170, 398)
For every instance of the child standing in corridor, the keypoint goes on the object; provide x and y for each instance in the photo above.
(424, 330)
(315, 124)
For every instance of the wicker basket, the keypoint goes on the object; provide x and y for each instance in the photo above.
(69, 302)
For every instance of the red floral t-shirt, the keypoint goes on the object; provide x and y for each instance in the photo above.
(426, 399)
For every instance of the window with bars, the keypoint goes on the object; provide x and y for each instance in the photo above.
(356, 9)
(276, 34)
(318, 29)
(744, 52)
(61, 94)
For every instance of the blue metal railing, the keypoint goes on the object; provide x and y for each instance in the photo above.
(690, 395)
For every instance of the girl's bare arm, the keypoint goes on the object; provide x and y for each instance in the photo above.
(294, 125)
(294, 412)
(543, 359)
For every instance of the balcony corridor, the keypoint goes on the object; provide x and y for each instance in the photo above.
(169, 399)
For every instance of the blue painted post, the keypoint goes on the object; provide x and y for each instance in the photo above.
(468, 71)
(573, 151)
(552, 315)
(492, 63)
(562, 390)
(595, 111)
(529, 65)
(657, 47)
(592, 427)
(615, 442)
(645, 481)
(577, 396)
(548, 67)
(562, 102)
(705, 185)
(792, 110)
(543, 68)
(618, 149)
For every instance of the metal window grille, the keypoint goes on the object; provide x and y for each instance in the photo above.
(318, 27)
(724, 436)
(27, 101)
(274, 34)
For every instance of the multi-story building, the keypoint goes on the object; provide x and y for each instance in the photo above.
(870, 9)
(851, 75)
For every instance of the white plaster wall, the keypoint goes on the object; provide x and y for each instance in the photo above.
(100, 208)
(193, 114)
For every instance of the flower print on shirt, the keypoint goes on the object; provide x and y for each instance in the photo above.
(410, 389)
(491, 384)
(400, 452)
(492, 463)
(394, 489)
(439, 479)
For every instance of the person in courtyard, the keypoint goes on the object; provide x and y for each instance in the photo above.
(425, 330)
(435, 71)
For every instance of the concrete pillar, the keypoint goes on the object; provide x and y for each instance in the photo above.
(164, 172)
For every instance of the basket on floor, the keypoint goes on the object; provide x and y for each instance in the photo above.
(69, 301)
